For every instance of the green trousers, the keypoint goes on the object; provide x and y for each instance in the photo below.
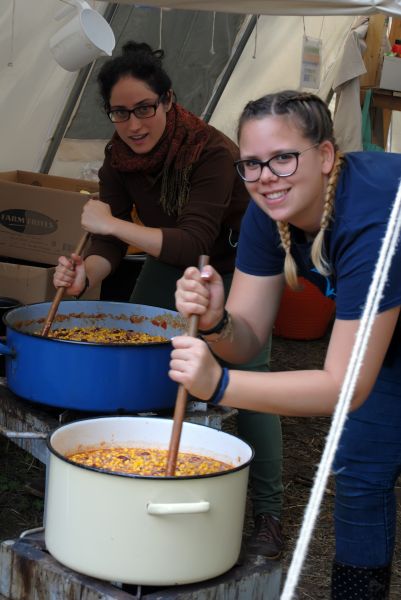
(155, 286)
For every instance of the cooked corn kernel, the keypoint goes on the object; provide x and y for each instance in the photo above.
(105, 335)
(147, 461)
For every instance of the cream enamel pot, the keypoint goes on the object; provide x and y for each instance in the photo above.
(145, 530)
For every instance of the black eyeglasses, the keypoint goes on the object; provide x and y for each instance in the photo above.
(143, 111)
(281, 165)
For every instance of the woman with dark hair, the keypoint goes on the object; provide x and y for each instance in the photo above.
(321, 215)
(177, 171)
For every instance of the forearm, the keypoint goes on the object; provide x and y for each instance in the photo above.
(237, 343)
(97, 268)
(316, 392)
(148, 239)
(252, 319)
(288, 393)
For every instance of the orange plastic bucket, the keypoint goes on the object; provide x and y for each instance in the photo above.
(304, 314)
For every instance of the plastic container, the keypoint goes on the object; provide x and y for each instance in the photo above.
(304, 314)
(83, 39)
(396, 48)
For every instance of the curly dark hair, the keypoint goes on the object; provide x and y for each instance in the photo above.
(137, 60)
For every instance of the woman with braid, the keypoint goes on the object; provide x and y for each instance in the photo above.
(178, 173)
(320, 215)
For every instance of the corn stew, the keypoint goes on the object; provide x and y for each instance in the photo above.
(147, 461)
(105, 335)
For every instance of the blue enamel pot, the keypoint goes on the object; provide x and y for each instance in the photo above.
(86, 376)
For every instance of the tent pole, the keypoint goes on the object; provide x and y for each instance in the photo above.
(229, 68)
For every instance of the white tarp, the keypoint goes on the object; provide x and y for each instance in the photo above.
(33, 87)
(282, 7)
(271, 61)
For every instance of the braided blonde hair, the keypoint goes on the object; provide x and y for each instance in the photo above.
(314, 120)
(317, 251)
(290, 267)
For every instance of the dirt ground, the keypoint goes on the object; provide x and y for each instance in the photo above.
(21, 480)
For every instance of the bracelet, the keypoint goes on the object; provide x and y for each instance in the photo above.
(222, 331)
(221, 387)
(82, 292)
(218, 327)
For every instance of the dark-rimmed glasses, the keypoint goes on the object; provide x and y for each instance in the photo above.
(143, 111)
(281, 165)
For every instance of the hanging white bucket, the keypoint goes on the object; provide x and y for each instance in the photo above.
(83, 39)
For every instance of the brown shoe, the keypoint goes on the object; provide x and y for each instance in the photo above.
(267, 537)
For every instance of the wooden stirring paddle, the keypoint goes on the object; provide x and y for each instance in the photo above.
(60, 292)
(181, 401)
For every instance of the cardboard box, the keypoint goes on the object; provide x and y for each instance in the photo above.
(40, 215)
(29, 283)
(390, 78)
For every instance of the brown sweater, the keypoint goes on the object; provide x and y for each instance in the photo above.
(209, 223)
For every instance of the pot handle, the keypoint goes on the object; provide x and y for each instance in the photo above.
(6, 350)
(178, 508)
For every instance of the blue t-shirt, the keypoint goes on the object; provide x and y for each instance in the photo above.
(365, 194)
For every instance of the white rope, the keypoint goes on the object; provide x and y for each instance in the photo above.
(12, 39)
(160, 28)
(256, 37)
(212, 50)
(375, 293)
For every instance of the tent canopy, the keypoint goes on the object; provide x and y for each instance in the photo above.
(282, 7)
(35, 91)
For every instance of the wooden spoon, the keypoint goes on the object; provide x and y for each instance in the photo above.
(181, 401)
(60, 292)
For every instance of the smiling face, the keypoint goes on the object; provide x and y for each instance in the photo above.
(297, 199)
(141, 135)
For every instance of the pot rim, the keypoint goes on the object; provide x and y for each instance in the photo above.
(127, 305)
(62, 457)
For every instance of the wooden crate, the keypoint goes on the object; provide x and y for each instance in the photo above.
(28, 572)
